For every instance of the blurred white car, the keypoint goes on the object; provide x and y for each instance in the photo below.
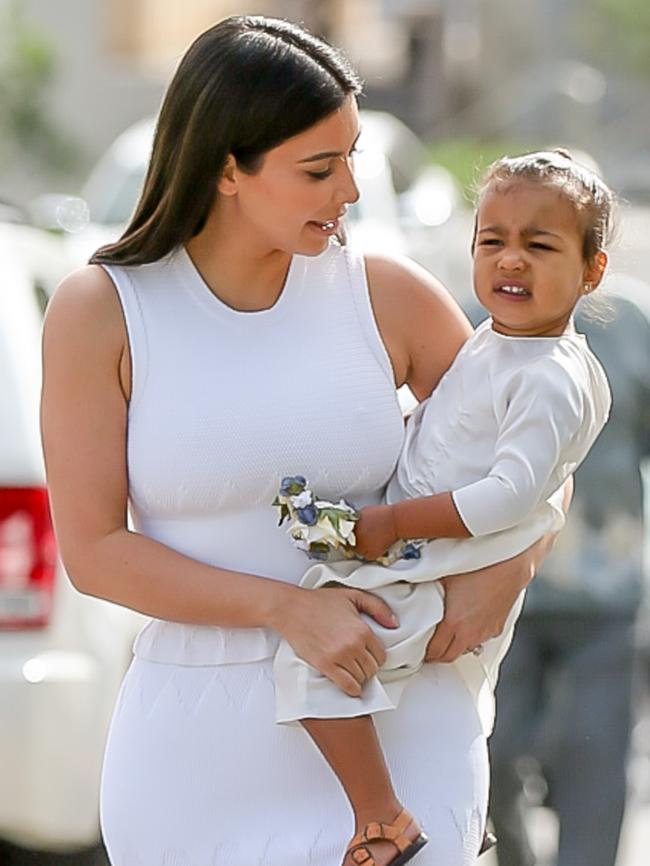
(62, 655)
(404, 201)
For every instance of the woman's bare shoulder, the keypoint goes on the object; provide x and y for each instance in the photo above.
(421, 323)
(85, 304)
(86, 291)
(400, 272)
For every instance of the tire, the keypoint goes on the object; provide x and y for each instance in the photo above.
(15, 855)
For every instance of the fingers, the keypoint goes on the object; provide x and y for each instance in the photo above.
(353, 673)
(442, 639)
(359, 673)
(375, 607)
(451, 640)
(376, 649)
(341, 677)
(455, 649)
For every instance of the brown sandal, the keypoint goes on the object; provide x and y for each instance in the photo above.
(394, 833)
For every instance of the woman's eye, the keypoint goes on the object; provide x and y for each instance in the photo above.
(320, 175)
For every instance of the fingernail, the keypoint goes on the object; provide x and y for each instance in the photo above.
(394, 619)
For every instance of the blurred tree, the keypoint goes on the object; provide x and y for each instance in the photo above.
(625, 24)
(27, 65)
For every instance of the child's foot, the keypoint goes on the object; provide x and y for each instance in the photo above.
(385, 844)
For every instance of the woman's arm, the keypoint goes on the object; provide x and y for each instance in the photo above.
(421, 325)
(83, 417)
(477, 604)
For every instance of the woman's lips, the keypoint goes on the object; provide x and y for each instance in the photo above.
(326, 227)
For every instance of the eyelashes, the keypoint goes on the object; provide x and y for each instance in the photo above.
(322, 175)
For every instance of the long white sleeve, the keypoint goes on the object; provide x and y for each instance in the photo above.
(506, 425)
(542, 413)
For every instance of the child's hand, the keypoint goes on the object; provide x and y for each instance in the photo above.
(375, 531)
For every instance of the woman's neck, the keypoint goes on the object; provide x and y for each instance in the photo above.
(240, 273)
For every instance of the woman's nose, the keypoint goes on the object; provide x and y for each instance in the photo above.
(348, 189)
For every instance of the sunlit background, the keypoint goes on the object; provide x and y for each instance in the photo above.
(450, 85)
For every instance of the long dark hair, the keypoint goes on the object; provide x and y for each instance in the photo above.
(243, 87)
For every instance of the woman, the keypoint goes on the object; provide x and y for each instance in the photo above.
(225, 340)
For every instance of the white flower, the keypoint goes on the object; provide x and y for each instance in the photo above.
(346, 528)
(302, 499)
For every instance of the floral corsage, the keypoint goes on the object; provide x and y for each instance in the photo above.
(325, 530)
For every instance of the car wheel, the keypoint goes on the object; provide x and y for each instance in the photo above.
(14, 855)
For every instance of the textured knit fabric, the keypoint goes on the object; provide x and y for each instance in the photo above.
(597, 562)
(520, 414)
(198, 774)
(224, 404)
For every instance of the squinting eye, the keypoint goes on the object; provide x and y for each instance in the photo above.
(489, 242)
(539, 246)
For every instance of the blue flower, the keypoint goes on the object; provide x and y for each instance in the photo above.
(410, 551)
(292, 485)
(307, 515)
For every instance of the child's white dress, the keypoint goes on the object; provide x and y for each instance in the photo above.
(511, 419)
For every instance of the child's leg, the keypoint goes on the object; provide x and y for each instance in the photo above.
(352, 749)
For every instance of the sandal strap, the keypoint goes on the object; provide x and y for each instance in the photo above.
(361, 856)
(376, 831)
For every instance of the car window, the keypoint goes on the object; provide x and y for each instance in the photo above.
(118, 205)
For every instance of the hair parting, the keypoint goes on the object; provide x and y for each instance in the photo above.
(243, 87)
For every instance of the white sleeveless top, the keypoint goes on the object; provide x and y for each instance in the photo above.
(225, 403)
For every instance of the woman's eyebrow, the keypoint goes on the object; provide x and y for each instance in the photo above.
(328, 154)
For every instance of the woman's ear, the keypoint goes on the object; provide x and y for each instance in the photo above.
(227, 183)
(595, 271)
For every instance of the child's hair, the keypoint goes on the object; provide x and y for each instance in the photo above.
(593, 200)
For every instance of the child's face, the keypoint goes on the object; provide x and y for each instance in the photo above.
(529, 270)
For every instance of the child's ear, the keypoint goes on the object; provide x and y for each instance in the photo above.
(595, 271)
(227, 183)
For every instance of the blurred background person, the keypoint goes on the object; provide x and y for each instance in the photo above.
(565, 694)
(80, 84)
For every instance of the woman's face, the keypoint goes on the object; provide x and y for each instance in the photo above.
(296, 200)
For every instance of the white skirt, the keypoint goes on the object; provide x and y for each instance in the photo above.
(196, 772)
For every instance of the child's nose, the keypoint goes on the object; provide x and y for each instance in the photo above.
(511, 260)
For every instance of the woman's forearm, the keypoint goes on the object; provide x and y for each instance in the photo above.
(537, 553)
(137, 572)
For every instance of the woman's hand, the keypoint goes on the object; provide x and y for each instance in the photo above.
(477, 604)
(374, 531)
(324, 627)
